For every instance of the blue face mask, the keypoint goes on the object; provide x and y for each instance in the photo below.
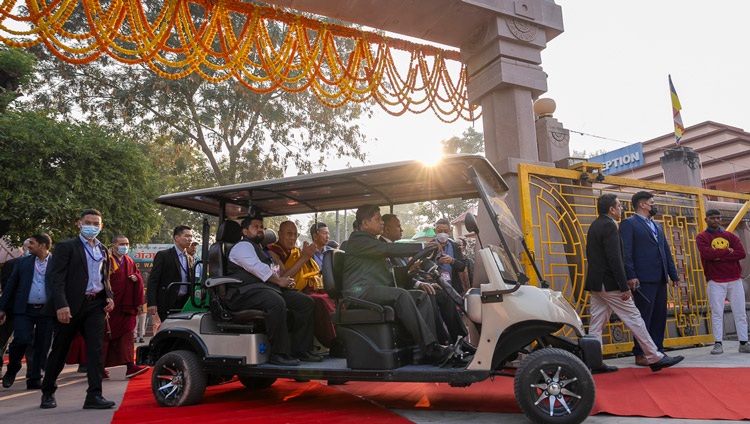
(122, 250)
(89, 231)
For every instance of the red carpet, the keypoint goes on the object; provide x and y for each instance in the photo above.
(285, 402)
(691, 393)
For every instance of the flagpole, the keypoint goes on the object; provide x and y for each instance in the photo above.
(679, 128)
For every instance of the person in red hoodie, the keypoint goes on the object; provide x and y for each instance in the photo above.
(721, 253)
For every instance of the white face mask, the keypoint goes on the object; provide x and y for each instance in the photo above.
(442, 238)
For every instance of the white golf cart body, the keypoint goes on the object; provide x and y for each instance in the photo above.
(517, 322)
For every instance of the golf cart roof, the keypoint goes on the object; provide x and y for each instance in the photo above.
(384, 184)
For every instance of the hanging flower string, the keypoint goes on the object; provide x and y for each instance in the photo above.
(264, 48)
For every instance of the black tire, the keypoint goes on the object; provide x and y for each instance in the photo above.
(557, 375)
(178, 379)
(256, 382)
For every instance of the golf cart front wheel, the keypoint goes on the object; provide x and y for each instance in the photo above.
(178, 379)
(554, 386)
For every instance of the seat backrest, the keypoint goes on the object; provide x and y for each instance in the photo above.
(333, 273)
(227, 235)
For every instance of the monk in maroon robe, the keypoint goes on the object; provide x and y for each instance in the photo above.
(127, 287)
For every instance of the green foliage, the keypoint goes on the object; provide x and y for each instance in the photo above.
(16, 70)
(243, 135)
(471, 141)
(53, 170)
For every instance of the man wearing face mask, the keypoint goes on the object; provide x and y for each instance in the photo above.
(79, 295)
(648, 266)
(127, 287)
(450, 258)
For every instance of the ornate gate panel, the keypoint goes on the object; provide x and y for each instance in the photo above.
(559, 205)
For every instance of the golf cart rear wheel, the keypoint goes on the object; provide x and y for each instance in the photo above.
(554, 386)
(256, 382)
(178, 379)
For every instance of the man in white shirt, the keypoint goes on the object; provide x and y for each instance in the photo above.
(263, 289)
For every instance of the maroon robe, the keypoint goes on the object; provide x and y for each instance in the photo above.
(128, 297)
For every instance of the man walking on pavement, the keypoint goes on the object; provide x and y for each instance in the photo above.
(609, 289)
(80, 297)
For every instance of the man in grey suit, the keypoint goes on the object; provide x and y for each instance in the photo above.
(609, 289)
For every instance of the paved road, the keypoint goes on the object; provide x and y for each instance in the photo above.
(23, 405)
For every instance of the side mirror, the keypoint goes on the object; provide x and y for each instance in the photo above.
(471, 223)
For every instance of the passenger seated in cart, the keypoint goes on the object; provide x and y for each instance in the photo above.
(262, 289)
(367, 276)
(299, 264)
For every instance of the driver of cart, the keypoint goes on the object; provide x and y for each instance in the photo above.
(262, 288)
(449, 323)
(367, 276)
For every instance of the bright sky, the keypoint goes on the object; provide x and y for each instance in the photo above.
(608, 74)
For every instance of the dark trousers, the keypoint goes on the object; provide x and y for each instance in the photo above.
(413, 309)
(451, 316)
(89, 321)
(32, 337)
(654, 314)
(288, 336)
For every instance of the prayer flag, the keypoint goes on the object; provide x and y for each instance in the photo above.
(679, 129)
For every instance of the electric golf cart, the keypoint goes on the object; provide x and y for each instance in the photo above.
(520, 326)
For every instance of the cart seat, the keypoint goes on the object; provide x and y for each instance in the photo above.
(249, 320)
(369, 331)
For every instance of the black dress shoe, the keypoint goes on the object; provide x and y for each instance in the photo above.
(309, 357)
(666, 362)
(48, 402)
(604, 369)
(467, 347)
(438, 354)
(97, 402)
(281, 359)
(8, 379)
(33, 384)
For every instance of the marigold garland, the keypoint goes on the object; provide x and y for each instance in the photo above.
(222, 39)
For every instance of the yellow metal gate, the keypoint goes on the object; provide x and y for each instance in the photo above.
(557, 207)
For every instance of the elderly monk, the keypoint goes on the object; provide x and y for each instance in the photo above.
(299, 263)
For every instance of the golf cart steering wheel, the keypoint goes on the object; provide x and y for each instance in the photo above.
(415, 269)
(415, 263)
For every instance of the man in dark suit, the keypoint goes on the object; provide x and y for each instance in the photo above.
(170, 266)
(6, 327)
(451, 259)
(25, 294)
(608, 287)
(648, 265)
(367, 276)
(79, 295)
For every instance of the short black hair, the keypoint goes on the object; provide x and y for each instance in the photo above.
(638, 197)
(388, 217)
(91, 212)
(444, 221)
(179, 229)
(366, 212)
(712, 212)
(316, 227)
(43, 238)
(250, 218)
(117, 237)
(605, 202)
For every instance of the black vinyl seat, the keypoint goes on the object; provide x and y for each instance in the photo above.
(369, 331)
(228, 234)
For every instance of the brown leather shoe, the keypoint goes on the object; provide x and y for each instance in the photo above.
(641, 361)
